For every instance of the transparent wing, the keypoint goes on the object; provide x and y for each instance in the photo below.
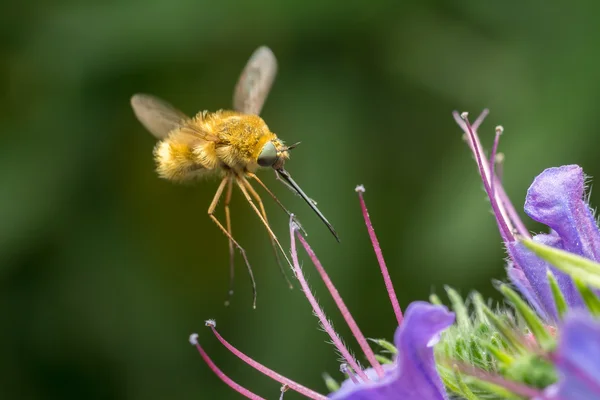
(158, 116)
(255, 82)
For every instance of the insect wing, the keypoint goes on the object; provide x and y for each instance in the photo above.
(158, 116)
(255, 82)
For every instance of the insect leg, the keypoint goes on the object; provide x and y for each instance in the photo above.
(273, 244)
(253, 176)
(242, 182)
(231, 249)
(211, 210)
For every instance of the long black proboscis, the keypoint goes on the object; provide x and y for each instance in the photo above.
(288, 179)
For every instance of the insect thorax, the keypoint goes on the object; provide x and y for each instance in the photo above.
(241, 137)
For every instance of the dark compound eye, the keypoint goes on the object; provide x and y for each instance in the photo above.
(268, 155)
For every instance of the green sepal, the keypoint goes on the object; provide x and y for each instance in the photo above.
(491, 390)
(559, 298)
(382, 359)
(478, 388)
(589, 298)
(462, 386)
(576, 266)
(504, 329)
(478, 303)
(384, 344)
(332, 384)
(533, 371)
(532, 320)
(435, 300)
(459, 308)
(500, 355)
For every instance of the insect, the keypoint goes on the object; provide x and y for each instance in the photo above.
(231, 143)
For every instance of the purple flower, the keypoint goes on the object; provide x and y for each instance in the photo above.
(411, 376)
(414, 375)
(557, 199)
(576, 360)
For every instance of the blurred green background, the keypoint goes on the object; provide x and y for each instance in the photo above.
(105, 269)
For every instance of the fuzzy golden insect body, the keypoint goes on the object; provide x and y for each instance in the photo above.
(224, 140)
(234, 144)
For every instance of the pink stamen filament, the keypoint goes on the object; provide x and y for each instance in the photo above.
(238, 388)
(493, 158)
(504, 203)
(484, 171)
(378, 253)
(266, 371)
(317, 309)
(480, 119)
(512, 212)
(500, 193)
(362, 341)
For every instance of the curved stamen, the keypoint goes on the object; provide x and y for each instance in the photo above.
(499, 131)
(360, 189)
(360, 338)
(507, 209)
(261, 368)
(317, 309)
(484, 170)
(238, 388)
(480, 119)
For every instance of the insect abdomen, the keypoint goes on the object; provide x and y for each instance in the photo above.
(177, 161)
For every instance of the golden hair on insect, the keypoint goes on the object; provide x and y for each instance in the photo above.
(232, 143)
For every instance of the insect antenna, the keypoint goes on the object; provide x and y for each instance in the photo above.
(292, 146)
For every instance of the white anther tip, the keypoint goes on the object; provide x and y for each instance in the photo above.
(210, 323)
(194, 339)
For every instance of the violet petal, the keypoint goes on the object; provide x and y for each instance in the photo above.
(535, 270)
(578, 360)
(518, 278)
(413, 376)
(556, 199)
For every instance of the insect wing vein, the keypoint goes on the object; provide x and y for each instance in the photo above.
(157, 116)
(255, 82)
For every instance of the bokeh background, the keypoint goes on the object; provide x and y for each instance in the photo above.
(105, 269)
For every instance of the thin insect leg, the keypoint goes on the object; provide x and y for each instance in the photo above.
(273, 244)
(231, 249)
(253, 176)
(241, 182)
(211, 211)
(285, 183)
